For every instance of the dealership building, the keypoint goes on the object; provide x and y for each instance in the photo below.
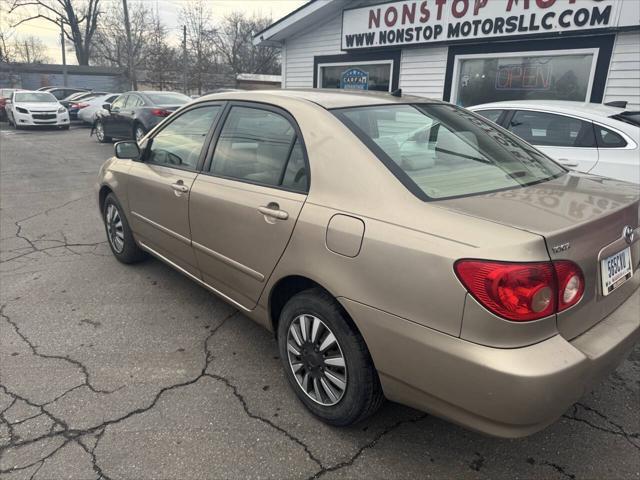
(465, 51)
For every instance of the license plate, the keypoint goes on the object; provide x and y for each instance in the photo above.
(615, 270)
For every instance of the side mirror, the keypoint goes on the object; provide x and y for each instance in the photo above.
(106, 106)
(127, 150)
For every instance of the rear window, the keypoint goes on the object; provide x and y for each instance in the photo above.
(440, 151)
(168, 98)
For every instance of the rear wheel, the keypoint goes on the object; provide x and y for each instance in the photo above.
(326, 360)
(100, 135)
(121, 241)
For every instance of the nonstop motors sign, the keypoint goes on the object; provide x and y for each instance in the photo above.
(428, 21)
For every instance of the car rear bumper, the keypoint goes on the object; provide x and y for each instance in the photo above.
(503, 392)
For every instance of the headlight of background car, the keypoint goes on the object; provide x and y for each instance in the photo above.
(62, 110)
(22, 110)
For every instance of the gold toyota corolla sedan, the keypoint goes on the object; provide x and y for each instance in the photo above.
(398, 247)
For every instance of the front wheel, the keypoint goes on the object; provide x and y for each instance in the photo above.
(100, 135)
(326, 359)
(138, 133)
(121, 241)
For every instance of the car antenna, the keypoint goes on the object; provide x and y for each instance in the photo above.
(397, 92)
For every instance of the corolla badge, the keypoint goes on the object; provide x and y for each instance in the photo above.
(561, 248)
(629, 234)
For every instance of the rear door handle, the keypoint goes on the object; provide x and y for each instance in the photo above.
(568, 163)
(273, 210)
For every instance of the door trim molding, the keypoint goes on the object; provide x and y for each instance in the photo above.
(166, 230)
(191, 276)
(228, 261)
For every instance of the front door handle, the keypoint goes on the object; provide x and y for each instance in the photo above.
(179, 187)
(273, 210)
(568, 163)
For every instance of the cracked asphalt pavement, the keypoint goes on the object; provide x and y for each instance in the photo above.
(116, 372)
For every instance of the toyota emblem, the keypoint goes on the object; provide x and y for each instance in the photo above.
(629, 234)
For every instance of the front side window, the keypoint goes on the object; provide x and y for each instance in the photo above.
(119, 103)
(179, 144)
(548, 129)
(255, 145)
(440, 151)
(134, 101)
(492, 115)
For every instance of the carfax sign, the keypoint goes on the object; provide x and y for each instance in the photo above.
(354, 79)
(428, 21)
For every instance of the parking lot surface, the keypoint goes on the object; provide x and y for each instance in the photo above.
(134, 372)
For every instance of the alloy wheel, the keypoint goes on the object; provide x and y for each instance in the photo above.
(316, 359)
(100, 131)
(115, 229)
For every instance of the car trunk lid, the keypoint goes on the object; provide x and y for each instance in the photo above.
(582, 218)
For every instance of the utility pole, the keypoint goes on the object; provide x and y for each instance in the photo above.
(131, 67)
(184, 59)
(64, 53)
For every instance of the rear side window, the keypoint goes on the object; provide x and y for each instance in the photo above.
(548, 129)
(260, 146)
(441, 151)
(609, 139)
(492, 115)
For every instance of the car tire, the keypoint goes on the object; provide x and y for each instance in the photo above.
(102, 138)
(119, 235)
(64, 127)
(362, 393)
(138, 132)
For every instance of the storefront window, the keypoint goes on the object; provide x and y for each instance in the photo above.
(372, 76)
(540, 77)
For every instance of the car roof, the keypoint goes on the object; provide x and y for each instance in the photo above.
(597, 110)
(327, 98)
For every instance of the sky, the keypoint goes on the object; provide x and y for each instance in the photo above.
(169, 10)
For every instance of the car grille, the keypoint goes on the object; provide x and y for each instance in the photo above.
(43, 116)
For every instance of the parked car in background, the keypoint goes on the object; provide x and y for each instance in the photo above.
(394, 245)
(588, 137)
(77, 101)
(5, 93)
(133, 114)
(33, 108)
(89, 108)
(62, 92)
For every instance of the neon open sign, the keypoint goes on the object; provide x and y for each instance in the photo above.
(524, 77)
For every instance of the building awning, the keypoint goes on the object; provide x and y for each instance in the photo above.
(308, 15)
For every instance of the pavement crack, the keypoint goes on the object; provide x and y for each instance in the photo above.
(65, 358)
(613, 429)
(371, 444)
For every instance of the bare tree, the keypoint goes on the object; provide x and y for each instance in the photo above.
(6, 33)
(233, 41)
(111, 41)
(160, 59)
(79, 20)
(196, 15)
(30, 50)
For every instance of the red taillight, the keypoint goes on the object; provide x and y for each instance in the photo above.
(79, 105)
(160, 112)
(522, 292)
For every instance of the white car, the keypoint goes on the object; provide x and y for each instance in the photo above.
(26, 108)
(588, 137)
(88, 112)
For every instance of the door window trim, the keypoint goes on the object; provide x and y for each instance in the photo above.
(205, 145)
(206, 167)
